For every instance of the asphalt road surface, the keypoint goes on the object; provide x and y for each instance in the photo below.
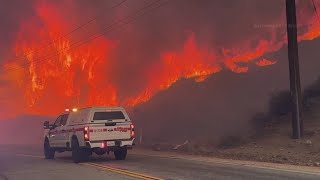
(27, 162)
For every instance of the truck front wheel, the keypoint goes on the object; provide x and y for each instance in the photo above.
(120, 154)
(48, 151)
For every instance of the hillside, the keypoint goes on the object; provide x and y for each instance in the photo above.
(240, 116)
(271, 141)
(275, 145)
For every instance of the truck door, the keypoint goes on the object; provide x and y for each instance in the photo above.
(62, 136)
(53, 133)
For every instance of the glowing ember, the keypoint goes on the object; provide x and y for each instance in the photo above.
(265, 62)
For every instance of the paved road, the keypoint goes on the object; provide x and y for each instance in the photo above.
(21, 162)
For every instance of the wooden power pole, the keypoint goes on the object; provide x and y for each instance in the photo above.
(295, 87)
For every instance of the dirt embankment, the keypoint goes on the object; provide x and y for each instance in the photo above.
(271, 142)
(277, 147)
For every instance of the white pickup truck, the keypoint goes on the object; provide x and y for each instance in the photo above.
(93, 129)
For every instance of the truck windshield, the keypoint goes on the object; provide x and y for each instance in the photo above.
(108, 115)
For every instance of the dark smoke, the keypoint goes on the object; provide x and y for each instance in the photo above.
(24, 129)
(217, 24)
(221, 105)
(224, 105)
(12, 13)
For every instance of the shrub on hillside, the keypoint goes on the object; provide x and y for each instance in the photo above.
(231, 141)
(311, 92)
(279, 104)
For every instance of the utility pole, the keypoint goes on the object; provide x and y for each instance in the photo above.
(295, 89)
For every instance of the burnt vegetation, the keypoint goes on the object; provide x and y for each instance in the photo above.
(278, 113)
(279, 108)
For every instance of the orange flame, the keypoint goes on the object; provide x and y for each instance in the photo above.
(84, 76)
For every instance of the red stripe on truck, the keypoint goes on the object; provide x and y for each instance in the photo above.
(68, 130)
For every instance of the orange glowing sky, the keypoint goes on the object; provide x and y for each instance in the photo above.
(59, 76)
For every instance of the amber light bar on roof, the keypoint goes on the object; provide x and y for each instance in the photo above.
(73, 110)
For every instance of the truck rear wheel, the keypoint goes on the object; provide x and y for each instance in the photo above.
(120, 154)
(48, 151)
(78, 154)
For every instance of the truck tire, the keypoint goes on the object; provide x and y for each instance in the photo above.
(120, 154)
(78, 154)
(48, 151)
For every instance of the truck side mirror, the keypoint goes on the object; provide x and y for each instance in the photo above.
(46, 125)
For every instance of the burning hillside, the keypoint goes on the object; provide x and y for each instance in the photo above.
(56, 64)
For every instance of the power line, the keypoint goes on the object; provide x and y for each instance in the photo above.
(96, 35)
(72, 31)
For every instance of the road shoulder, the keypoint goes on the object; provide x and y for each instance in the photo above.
(228, 162)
